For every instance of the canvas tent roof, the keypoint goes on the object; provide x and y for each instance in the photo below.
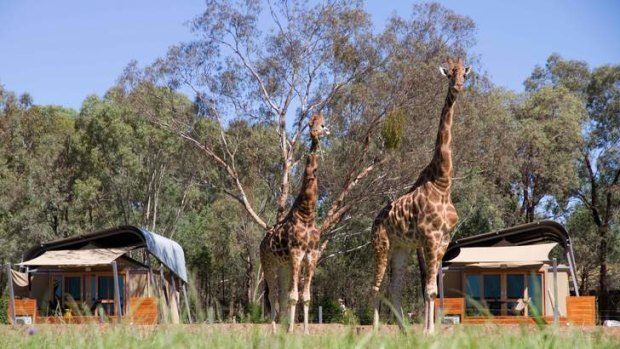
(519, 235)
(83, 257)
(167, 251)
(504, 255)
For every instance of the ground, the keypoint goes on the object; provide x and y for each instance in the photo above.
(322, 336)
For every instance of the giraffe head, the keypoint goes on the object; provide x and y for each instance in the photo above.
(317, 127)
(456, 73)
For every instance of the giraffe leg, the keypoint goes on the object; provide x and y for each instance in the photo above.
(311, 260)
(293, 294)
(381, 246)
(433, 254)
(284, 279)
(271, 278)
(399, 265)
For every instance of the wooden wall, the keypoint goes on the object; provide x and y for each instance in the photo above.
(581, 310)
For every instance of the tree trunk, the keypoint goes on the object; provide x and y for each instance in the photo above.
(603, 294)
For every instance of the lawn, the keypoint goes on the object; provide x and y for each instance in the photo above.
(323, 336)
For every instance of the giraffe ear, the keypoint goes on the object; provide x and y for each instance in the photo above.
(467, 70)
(444, 72)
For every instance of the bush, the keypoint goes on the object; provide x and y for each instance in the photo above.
(4, 303)
(365, 315)
(332, 313)
(349, 317)
(254, 313)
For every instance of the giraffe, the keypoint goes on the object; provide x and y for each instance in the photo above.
(294, 241)
(423, 218)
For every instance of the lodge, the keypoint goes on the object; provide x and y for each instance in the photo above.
(508, 276)
(124, 273)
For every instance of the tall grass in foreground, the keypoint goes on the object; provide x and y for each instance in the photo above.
(217, 336)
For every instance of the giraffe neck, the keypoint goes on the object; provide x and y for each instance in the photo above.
(439, 171)
(304, 207)
(442, 158)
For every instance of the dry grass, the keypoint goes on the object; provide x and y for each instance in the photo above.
(322, 336)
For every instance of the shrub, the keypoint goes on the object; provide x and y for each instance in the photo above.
(4, 302)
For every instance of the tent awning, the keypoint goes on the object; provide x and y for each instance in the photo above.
(166, 250)
(83, 257)
(509, 255)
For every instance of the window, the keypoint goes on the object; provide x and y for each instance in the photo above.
(473, 293)
(534, 291)
(492, 293)
(499, 293)
(515, 290)
(73, 287)
(105, 292)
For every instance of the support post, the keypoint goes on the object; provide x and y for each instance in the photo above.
(163, 296)
(574, 266)
(117, 293)
(572, 273)
(175, 297)
(11, 292)
(320, 314)
(128, 292)
(189, 315)
(556, 311)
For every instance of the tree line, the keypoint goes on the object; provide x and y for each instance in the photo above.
(206, 146)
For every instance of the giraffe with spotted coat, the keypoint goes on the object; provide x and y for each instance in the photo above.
(422, 219)
(294, 242)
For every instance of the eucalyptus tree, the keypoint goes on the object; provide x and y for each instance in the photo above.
(600, 166)
(598, 162)
(550, 122)
(271, 64)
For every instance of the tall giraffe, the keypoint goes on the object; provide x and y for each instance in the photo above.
(295, 241)
(424, 217)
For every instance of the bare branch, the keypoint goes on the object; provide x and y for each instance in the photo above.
(323, 258)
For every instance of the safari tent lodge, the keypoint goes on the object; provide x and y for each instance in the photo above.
(508, 276)
(120, 274)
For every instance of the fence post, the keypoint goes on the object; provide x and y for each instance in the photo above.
(556, 314)
(117, 293)
(320, 314)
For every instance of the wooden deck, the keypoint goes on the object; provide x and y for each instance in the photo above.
(580, 311)
(143, 311)
(511, 320)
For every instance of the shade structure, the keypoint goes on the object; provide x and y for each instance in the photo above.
(167, 251)
(508, 255)
(82, 257)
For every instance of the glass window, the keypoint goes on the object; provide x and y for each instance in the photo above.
(534, 291)
(472, 296)
(105, 291)
(492, 284)
(515, 285)
(105, 287)
(73, 287)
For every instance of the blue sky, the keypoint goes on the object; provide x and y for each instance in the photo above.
(63, 50)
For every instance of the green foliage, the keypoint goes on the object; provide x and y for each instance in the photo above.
(393, 129)
(332, 312)
(254, 313)
(4, 303)
(349, 317)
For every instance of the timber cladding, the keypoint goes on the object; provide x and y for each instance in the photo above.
(24, 307)
(143, 310)
(581, 310)
(452, 306)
